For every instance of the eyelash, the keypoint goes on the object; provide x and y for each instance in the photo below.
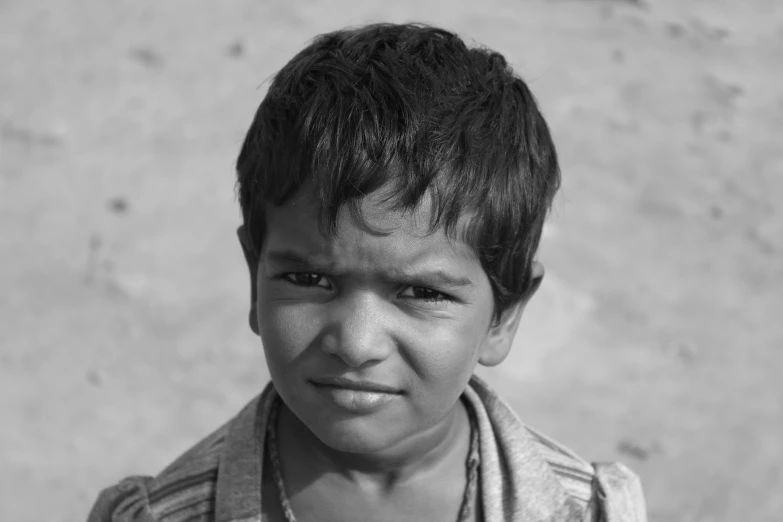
(443, 297)
(289, 277)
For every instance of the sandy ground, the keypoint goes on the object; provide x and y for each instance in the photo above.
(657, 336)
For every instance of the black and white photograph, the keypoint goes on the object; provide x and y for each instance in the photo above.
(333, 261)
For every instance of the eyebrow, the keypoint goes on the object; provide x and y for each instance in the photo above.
(291, 258)
(435, 278)
(430, 278)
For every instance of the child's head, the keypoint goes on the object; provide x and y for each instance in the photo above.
(411, 108)
(383, 149)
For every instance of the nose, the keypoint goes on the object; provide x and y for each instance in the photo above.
(359, 332)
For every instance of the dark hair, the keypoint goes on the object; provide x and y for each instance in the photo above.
(413, 109)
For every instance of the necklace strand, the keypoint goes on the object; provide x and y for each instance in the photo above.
(471, 465)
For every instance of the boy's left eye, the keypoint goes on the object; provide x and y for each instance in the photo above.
(425, 294)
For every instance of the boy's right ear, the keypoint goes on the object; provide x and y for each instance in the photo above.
(252, 266)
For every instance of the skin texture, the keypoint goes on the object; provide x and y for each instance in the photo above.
(365, 304)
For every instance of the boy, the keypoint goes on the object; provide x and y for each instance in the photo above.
(393, 186)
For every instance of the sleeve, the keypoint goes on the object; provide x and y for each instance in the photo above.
(618, 494)
(124, 502)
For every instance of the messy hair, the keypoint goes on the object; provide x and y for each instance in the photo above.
(410, 108)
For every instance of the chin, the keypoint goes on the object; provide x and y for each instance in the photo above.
(355, 435)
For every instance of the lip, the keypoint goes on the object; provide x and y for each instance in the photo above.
(355, 384)
(358, 397)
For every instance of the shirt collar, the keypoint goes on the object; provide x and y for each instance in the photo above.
(517, 483)
(238, 496)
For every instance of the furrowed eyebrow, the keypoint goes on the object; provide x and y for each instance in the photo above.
(427, 278)
(434, 278)
(291, 258)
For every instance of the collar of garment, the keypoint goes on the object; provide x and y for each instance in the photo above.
(517, 482)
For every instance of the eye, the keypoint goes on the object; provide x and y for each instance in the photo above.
(425, 294)
(306, 279)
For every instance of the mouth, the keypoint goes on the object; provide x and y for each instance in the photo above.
(356, 396)
(357, 385)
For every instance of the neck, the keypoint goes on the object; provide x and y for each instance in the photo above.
(413, 457)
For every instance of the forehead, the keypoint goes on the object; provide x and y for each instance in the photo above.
(379, 234)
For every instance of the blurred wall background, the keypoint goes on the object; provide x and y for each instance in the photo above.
(657, 336)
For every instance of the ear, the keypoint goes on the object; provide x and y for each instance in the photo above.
(252, 266)
(502, 331)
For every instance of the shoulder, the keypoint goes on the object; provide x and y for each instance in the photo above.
(608, 491)
(594, 492)
(575, 474)
(183, 490)
(619, 493)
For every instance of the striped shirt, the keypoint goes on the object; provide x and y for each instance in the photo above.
(524, 475)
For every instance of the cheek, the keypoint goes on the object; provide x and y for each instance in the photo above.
(285, 331)
(448, 351)
(447, 355)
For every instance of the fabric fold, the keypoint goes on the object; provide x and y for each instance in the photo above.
(524, 476)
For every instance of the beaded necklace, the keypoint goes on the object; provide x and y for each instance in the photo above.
(471, 465)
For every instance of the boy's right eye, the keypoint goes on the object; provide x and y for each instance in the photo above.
(305, 279)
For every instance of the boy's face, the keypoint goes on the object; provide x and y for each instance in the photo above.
(407, 311)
